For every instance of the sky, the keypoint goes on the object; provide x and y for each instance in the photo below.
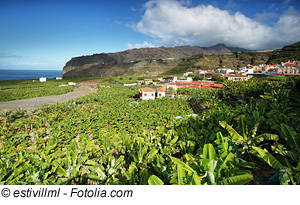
(45, 34)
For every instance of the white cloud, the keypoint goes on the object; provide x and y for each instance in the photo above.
(143, 45)
(175, 24)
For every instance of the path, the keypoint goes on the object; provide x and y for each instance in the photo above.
(84, 88)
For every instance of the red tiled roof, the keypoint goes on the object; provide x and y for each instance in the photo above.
(217, 85)
(239, 76)
(161, 89)
(176, 83)
(193, 86)
(146, 90)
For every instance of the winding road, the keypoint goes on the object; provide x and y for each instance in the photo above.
(83, 88)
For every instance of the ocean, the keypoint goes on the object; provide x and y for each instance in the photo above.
(28, 74)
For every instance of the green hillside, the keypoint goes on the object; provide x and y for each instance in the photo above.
(291, 52)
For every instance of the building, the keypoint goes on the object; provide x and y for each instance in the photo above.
(148, 81)
(72, 83)
(247, 71)
(187, 74)
(224, 70)
(160, 92)
(160, 79)
(237, 77)
(194, 84)
(43, 79)
(171, 78)
(147, 93)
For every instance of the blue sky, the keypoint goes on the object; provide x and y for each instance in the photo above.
(40, 34)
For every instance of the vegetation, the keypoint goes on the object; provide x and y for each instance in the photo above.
(187, 64)
(291, 52)
(24, 89)
(246, 133)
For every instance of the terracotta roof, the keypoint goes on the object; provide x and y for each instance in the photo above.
(176, 83)
(193, 86)
(217, 85)
(236, 76)
(146, 90)
(161, 89)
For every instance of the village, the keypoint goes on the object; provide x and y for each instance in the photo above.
(170, 84)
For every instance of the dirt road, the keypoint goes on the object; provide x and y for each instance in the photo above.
(83, 88)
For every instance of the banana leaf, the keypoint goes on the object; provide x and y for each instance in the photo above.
(240, 178)
(267, 157)
(154, 180)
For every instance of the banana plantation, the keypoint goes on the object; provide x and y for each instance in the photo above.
(245, 133)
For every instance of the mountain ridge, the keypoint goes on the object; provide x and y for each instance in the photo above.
(121, 63)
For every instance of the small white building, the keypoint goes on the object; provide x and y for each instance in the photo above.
(130, 84)
(247, 70)
(172, 78)
(148, 81)
(147, 93)
(43, 79)
(72, 83)
(58, 78)
(224, 70)
(187, 74)
(161, 92)
(160, 79)
(238, 77)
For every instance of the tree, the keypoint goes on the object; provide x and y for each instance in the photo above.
(171, 91)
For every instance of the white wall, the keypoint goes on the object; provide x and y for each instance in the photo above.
(148, 95)
(162, 94)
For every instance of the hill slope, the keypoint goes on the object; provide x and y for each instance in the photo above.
(143, 61)
(290, 52)
(173, 60)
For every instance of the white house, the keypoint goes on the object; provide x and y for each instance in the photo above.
(247, 70)
(148, 81)
(43, 79)
(147, 93)
(161, 92)
(188, 79)
(160, 79)
(58, 78)
(224, 70)
(187, 74)
(171, 78)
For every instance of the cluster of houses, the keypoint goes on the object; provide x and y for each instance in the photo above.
(170, 83)
(246, 73)
(151, 94)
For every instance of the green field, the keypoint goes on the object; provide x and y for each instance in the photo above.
(246, 133)
(24, 89)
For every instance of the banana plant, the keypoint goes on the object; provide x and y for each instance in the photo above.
(289, 155)
(209, 168)
(248, 138)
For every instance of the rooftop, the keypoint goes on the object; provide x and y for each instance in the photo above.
(146, 89)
